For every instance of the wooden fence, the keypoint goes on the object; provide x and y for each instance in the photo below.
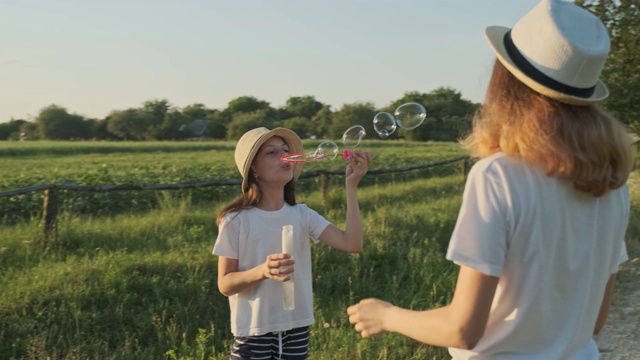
(50, 203)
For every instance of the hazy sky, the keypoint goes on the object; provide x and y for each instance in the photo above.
(95, 56)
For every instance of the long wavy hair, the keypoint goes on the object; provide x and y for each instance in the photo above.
(252, 197)
(581, 144)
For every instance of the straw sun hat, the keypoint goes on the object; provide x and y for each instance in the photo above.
(250, 143)
(557, 49)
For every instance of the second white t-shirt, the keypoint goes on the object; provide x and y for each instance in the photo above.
(250, 236)
(553, 249)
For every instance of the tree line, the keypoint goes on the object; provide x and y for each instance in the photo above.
(448, 116)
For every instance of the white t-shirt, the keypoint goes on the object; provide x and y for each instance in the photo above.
(553, 249)
(249, 236)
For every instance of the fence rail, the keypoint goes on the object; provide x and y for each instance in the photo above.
(50, 203)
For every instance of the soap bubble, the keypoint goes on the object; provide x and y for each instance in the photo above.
(384, 124)
(410, 115)
(353, 136)
(326, 150)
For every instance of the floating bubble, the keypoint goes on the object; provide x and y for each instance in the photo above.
(327, 150)
(384, 124)
(410, 115)
(195, 128)
(353, 136)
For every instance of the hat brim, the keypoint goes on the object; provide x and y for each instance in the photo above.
(293, 142)
(495, 37)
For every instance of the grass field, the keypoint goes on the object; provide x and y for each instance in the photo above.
(141, 284)
(105, 163)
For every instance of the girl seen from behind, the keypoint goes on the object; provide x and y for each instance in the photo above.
(540, 233)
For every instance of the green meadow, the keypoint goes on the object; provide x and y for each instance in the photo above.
(130, 274)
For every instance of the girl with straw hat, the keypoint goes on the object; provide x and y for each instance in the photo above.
(540, 233)
(252, 265)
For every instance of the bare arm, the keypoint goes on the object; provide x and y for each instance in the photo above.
(231, 281)
(350, 239)
(460, 324)
(606, 303)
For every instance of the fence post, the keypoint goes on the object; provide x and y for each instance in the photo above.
(324, 185)
(465, 167)
(50, 213)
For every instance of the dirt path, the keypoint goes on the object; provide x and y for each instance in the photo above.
(620, 338)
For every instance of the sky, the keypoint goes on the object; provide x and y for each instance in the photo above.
(96, 56)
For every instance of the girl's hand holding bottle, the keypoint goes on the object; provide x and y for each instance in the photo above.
(278, 267)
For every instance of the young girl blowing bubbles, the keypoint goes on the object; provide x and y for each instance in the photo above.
(251, 264)
(540, 234)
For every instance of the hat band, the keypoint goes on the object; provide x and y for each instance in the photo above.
(525, 66)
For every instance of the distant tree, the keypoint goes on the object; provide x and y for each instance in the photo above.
(245, 104)
(322, 122)
(30, 129)
(128, 124)
(218, 123)
(11, 129)
(100, 131)
(243, 122)
(350, 115)
(303, 106)
(55, 123)
(196, 111)
(621, 73)
(169, 129)
(156, 109)
(155, 112)
(300, 125)
(282, 113)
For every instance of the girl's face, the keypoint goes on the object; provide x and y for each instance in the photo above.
(267, 165)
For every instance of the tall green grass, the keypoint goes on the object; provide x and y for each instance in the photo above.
(143, 286)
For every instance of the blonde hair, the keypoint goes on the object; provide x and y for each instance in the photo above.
(581, 144)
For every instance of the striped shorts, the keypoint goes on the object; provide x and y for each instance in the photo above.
(280, 345)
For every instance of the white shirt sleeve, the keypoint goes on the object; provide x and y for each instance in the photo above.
(317, 224)
(479, 240)
(228, 238)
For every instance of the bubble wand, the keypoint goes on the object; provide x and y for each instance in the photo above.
(328, 149)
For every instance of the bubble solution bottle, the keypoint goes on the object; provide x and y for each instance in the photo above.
(288, 294)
